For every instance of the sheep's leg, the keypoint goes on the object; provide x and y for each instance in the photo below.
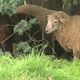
(53, 44)
(76, 55)
(14, 53)
(53, 49)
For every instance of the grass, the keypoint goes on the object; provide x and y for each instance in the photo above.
(35, 67)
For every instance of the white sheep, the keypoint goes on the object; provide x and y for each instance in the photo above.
(66, 30)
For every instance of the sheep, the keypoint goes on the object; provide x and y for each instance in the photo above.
(66, 30)
(5, 32)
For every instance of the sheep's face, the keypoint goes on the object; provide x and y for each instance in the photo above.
(53, 23)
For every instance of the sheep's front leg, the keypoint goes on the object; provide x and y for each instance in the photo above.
(53, 38)
(76, 55)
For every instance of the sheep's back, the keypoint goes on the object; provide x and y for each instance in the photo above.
(4, 28)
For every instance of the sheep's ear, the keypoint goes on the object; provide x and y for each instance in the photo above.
(63, 20)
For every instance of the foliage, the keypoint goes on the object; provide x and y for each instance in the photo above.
(73, 2)
(9, 6)
(68, 3)
(24, 26)
(23, 48)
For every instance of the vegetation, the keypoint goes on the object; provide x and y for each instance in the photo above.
(24, 26)
(36, 67)
(71, 5)
(9, 6)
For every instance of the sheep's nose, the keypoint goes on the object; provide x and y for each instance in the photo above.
(46, 29)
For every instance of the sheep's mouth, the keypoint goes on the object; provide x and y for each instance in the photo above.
(48, 32)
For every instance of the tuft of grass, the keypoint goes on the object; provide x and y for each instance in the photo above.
(36, 67)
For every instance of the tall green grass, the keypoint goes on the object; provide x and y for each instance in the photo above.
(36, 67)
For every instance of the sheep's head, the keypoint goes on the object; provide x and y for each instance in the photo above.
(54, 21)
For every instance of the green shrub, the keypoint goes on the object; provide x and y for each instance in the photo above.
(9, 6)
(24, 26)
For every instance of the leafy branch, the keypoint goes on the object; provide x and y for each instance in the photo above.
(24, 26)
(9, 6)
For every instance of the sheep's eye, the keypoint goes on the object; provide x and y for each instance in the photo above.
(55, 22)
